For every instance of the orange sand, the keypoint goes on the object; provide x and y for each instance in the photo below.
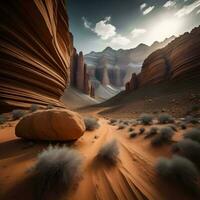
(132, 178)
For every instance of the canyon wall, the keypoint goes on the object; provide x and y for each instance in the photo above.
(36, 53)
(180, 59)
(119, 64)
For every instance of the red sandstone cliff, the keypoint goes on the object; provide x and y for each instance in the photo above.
(36, 53)
(178, 60)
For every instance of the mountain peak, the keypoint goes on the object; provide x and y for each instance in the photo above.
(108, 49)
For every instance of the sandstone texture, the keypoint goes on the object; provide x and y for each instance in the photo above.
(51, 125)
(180, 59)
(35, 52)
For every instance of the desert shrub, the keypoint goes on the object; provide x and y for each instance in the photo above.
(3, 119)
(17, 114)
(164, 136)
(114, 124)
(131, 129)
(49, 107)
(193, 134)
(126, 123)
(165, 118)
(194, 120)
(55, 168)
(34, 107)
(142, 130)
(153, 131)
(133, 135)
(113, 121)
(109, 152)
(195, 108)
(178, 170)
(91, 123)
(191, 119)
(121, 127)
(173, 127)
(146, 119)
(189, 149)
(183, 126)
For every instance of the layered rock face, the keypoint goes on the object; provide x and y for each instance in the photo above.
(36, 50)
(178, 60)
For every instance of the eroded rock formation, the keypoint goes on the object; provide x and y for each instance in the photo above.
(79, 75)
(120, 64)
(178, 60)
(35, 52)
(133, 83)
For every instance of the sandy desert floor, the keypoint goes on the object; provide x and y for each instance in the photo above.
(133, 177)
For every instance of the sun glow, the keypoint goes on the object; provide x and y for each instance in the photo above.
(165, 29)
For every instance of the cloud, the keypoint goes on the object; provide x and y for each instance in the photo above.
(86, 23)
(103, 28)
(142, 6)
(148, 10)
(137, 32)
(187, 9)
(119, 41)
(169, 4)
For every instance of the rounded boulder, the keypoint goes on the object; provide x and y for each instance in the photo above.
(51, 125)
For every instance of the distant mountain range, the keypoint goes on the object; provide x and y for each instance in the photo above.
(116, 66)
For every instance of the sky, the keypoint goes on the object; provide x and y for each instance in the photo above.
(124, 24)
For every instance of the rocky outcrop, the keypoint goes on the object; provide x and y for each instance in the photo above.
(133, 83)
(178, 60)
(51, 125)
(79, 75)
(120, 64)
(35, 52)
